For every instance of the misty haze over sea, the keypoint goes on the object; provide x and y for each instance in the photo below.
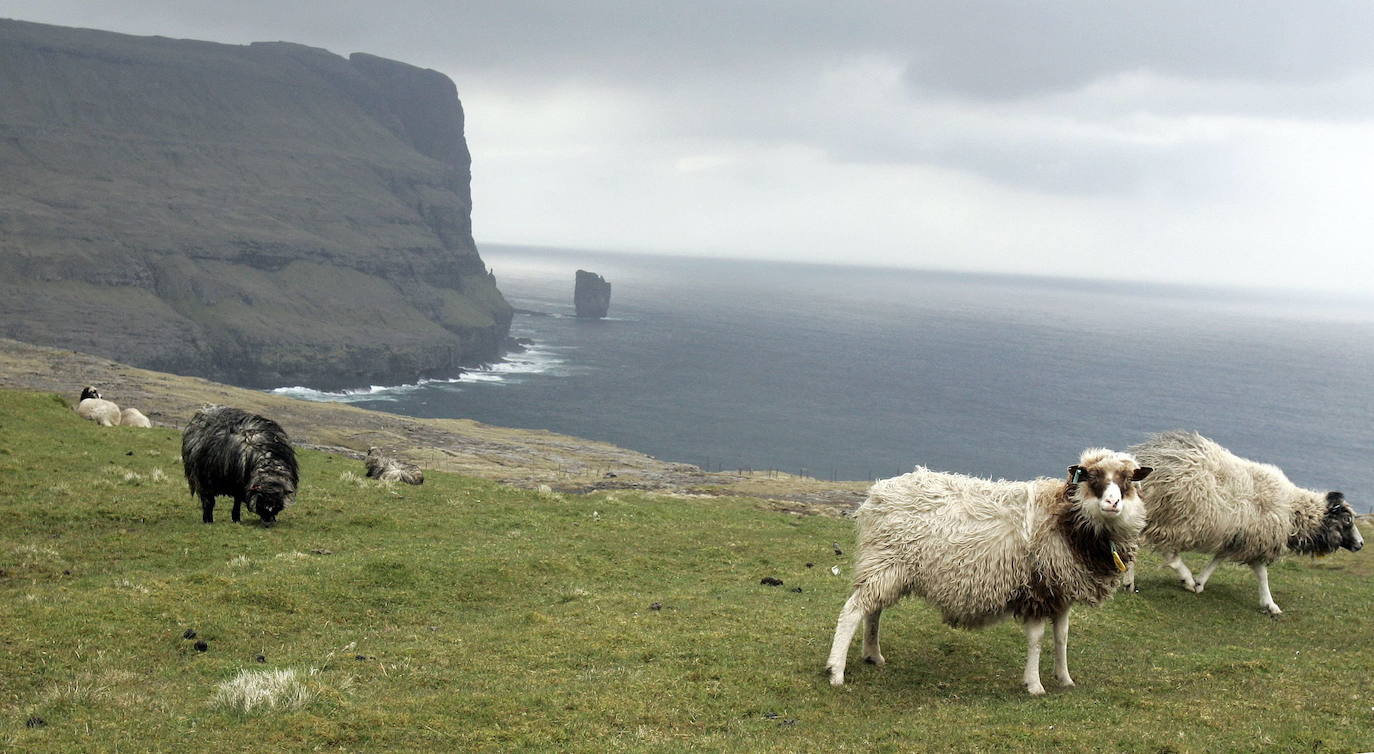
(859, 373)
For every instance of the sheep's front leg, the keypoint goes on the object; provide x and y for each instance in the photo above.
(1207, 574)
(1129, 581)
(238, 501)
(1061, 649)
(872, 654)
(207, 508)
(1266, 599)
(1184, 575)
(850, 616)
(1035, 630)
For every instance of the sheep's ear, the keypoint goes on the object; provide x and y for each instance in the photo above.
(1075, 473)
(1141, 473)
(1335, 500)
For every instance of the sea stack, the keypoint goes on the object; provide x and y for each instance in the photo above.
(591, 295)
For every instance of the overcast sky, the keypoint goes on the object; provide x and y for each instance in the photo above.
(1207, 141)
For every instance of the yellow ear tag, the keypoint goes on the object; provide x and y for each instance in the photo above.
(1120, 565)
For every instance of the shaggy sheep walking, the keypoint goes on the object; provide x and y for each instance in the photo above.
(1204, 498)
(390, 469)
(981, 550)
(226, 451)
(97, 409)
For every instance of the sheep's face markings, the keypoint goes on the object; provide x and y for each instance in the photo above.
(268, 500)
(1108, 493)
(1341, 516)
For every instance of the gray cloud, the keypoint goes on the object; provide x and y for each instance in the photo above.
(973, 48)
(1012, 50)
(1221, 127)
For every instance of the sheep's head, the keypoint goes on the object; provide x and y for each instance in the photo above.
(1340, 517)
(269, 497)
(1103, 484)
(89, 392)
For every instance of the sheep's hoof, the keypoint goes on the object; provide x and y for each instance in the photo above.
(875, 660)
(836, 679)
(1197, 588)
(1272, 609)
(1067, 684)
(1035, 690)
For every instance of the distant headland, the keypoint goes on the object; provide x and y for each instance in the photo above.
(266, 214)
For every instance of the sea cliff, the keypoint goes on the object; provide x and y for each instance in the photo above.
(261, 214)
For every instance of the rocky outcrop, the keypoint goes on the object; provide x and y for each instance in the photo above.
(591, 295)
(265, 214)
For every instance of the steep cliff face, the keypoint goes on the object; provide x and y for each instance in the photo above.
(264, 214)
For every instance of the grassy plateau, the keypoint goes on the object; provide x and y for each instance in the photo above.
(465, 615)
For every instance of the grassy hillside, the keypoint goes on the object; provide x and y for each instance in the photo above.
(466, 615)
(526, 458)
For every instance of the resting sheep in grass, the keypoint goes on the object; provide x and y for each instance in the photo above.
(389, 469)
(97, 409)
(231, 452)
(981, 550)
(1203, 498)
(132, 417)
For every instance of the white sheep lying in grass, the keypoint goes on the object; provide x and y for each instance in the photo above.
(132, 417)
(388, 469)
(981, 550)
(97, 409)
(1204, 498)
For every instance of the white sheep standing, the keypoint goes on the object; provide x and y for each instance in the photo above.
(1204, 498)
(97, 409)
(981, 550)
(132, 417)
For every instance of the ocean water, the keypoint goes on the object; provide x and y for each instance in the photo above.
(860, 373)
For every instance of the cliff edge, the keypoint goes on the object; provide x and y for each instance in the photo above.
(264, 214)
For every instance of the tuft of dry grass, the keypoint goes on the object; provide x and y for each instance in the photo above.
(265, 691)
(363, 482)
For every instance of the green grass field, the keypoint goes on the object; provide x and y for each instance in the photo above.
(464, 615)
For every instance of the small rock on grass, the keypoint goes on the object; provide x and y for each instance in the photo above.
(260, 658)
(35, 722)
(656, 606)
(190, 634)
(201, 646)
(770, 581)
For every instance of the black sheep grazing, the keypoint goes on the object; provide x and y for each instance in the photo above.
(231, 452)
